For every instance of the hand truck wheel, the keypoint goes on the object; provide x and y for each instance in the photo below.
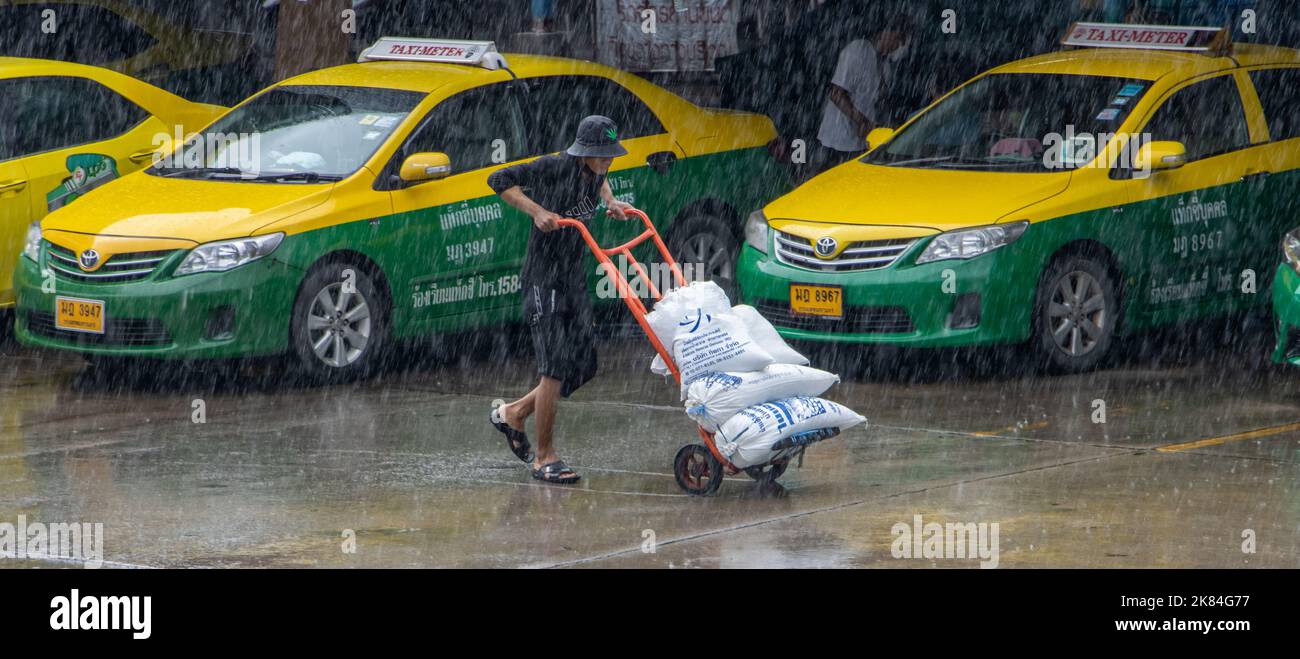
(697, 471)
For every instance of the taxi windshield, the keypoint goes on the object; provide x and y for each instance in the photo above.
(1017, 122)
(294, 133)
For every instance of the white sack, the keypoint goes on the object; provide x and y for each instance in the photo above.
(766, 337)
(715, 398)
(706, 343)
(747, 438)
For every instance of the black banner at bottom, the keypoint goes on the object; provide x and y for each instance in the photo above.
(167, 608)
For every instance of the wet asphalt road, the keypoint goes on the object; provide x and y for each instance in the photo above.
(1200, 444)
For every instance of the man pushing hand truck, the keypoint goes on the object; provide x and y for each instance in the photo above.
(556, 304)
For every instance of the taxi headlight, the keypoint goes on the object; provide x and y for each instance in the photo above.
(228, 254)
(1291, 249)
(969, 243)
(756, 231)
(32, 243)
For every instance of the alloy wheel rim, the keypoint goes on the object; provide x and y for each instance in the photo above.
(339, 325)
(706, 249)
(1077, 314)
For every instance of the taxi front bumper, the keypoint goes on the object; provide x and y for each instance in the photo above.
(984, 300)
(240, 312)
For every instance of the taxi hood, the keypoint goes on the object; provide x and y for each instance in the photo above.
(146, 206)
(927, 200)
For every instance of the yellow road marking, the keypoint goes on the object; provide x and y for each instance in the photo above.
(1029, 426)
(1213, 441)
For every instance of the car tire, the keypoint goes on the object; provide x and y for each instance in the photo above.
(1075, 314)
(707, 240)
(333, 344)
(7, 336)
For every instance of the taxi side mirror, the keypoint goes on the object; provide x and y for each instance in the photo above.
(878, 136)
(425, 167)
(1156, 156)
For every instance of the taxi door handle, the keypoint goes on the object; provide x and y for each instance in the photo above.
(12, 185)
(141, 156)
(661, 161)
(1254, 175)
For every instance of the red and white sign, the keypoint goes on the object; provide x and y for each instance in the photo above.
(1150, 37)
(446, 51)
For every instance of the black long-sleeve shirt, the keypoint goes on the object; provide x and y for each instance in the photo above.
(561, 184)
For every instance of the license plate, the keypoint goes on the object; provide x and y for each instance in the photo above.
(817, 300)
(79, 315)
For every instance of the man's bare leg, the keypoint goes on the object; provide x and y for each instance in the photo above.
(545, 398)
(517, 412)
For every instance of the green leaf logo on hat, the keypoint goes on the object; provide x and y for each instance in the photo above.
(597, 138)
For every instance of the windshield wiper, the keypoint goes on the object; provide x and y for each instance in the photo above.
(915, 161)
(988, 162)
(185, 172)
(237, 174)
(306, 177)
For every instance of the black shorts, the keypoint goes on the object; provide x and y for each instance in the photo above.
(563, 340)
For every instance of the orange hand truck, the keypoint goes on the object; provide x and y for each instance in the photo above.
(699, 469)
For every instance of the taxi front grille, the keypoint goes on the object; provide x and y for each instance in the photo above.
(856, 320)
(862, 255)
(117, 331)
(131, 266)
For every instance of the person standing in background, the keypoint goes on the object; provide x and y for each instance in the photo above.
(858, 84)
(543, 16)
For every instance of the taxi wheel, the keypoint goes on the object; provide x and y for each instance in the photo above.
(6, 327)
(706, 249)
(1075, 314)
(338, 328)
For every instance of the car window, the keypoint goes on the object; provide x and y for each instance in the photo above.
(558, 103)
(82, 33)
(50, 113)
(1207, 117)
(1015, 122)
(324, 131)
(8, 127)
(1279, 93)
(476, 128)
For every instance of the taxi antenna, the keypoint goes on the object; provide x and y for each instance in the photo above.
(495, 60)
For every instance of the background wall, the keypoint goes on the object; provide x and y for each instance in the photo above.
(772, 56)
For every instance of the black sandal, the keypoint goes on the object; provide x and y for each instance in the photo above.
(554, 472)
(517, 440)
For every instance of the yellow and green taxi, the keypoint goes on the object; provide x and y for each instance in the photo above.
(1142, 177)
(346, 208)
(66, 129)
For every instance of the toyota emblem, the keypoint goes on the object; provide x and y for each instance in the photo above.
(826, 246)
(89, 259)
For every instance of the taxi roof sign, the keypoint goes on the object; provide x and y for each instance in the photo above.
(1148, 37)
(446, 51)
